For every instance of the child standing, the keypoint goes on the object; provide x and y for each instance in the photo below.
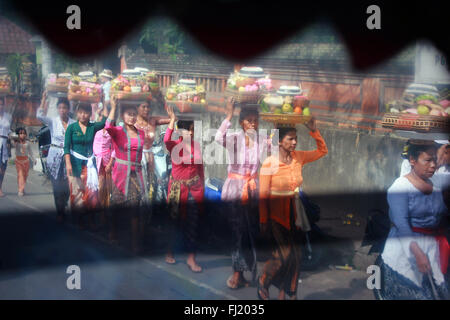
(24, 156)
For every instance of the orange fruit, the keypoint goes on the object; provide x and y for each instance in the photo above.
(298, 110)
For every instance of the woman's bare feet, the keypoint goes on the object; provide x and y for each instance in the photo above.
(282, 295)
(170, 258)
(263, 293)
(237, 280)
(192, 264)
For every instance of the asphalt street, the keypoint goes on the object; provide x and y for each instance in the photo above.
(36, 250)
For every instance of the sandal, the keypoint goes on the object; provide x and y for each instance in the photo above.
(264, 291)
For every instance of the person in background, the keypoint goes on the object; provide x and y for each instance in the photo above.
(405, 167)
(105, 78)
(24, 157)
(441, 177)
(104, 158)
(281, 211)
(186, 187)
(128, 184)
(5, 130)
(415, 255)
(55, 159)
(80, 162)
(241, 188)
(148, 124)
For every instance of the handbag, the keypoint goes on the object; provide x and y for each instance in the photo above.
(8, 147)
(302, 220)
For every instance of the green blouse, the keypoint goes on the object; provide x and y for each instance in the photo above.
(81, 143)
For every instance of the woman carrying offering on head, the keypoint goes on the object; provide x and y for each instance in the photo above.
(104, 158)
(55, 159)
(241, 188)
(416, 253)
(148, 124)
(128, 183)
(186, 186)
(80, 162)
(281, 211)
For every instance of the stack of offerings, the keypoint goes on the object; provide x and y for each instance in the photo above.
(133, 86)
(248, 85)
(419, 111)
(27, 75)
(288, 106)
(58, 85)
(85, 88)
(187, 97)
(149, 77)
(5, 82)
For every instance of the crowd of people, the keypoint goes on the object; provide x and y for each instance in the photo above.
(98, 164)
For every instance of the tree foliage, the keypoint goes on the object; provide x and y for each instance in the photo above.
(61, 63)
(15, 66)
(164, 36)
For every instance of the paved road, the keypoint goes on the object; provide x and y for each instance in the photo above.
(35, 252)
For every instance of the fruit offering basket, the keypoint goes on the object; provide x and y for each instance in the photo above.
(285, 119)
(418, 112)
(58, 83)
(131, 87)
(274, 103)
(416, 122)
(187, 107)
(186, 96)
(248, 85)
(285, 110)
(5, 82)
(149, 78)
(153, 82)
(243, 97)
(85, 88)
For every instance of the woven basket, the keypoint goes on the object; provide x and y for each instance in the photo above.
(79, 97)
(152, 78)
(187, 107)
(285, 119)
(244, 97)
(415, 122)
(132, 96)
(57, 88)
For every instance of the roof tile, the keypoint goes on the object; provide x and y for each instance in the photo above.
(14, 39)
